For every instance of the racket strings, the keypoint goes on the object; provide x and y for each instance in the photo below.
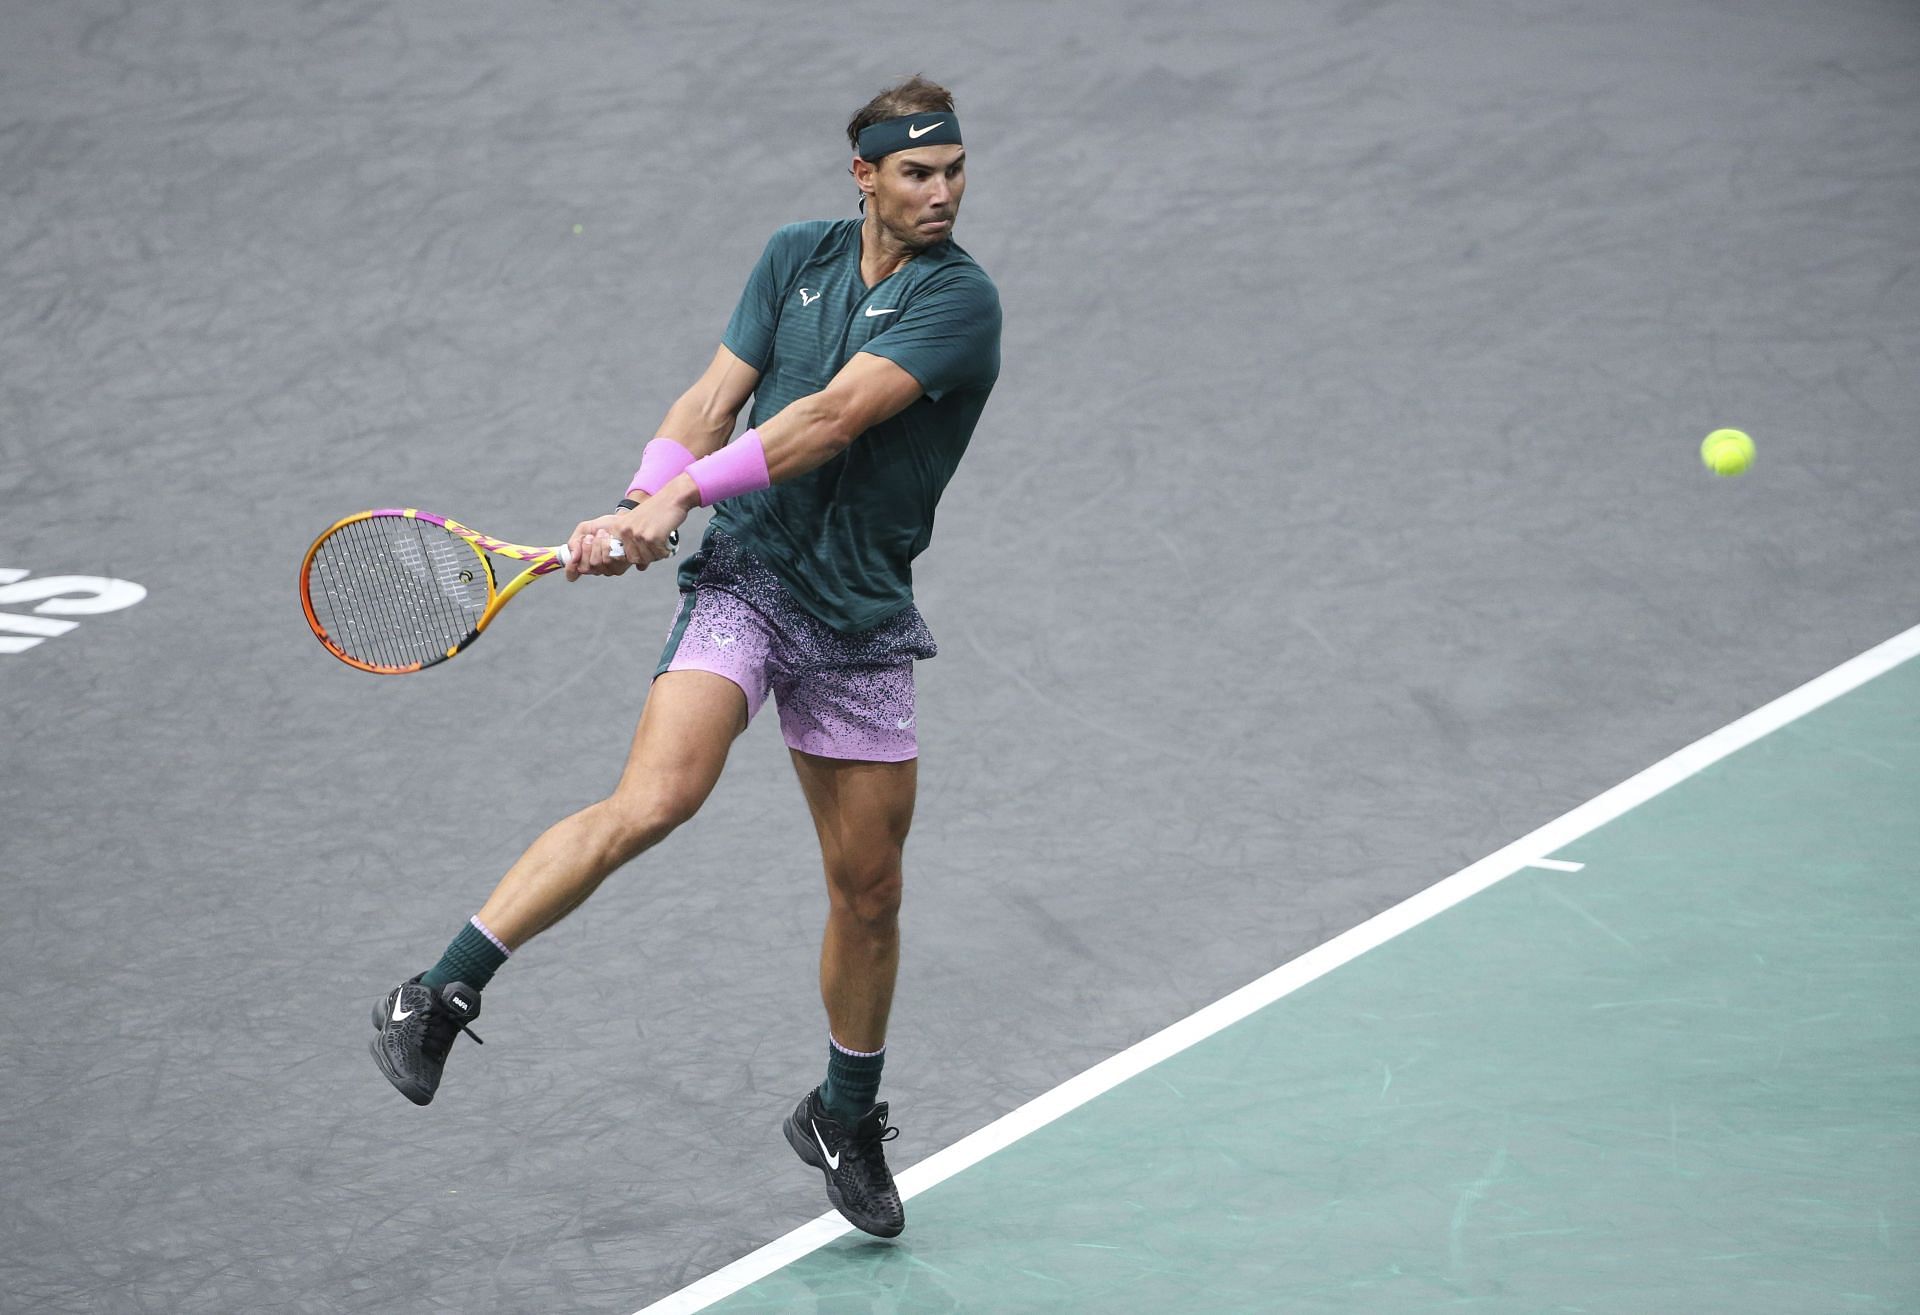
(392, 591)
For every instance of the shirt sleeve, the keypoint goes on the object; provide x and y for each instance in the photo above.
(749, 333)
(947, 337)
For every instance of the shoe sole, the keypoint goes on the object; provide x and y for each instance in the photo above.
(809, 1153)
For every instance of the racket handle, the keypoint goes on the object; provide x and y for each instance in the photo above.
(619, 549)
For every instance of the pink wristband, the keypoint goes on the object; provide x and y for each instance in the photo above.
(739, 467)
(660, 461)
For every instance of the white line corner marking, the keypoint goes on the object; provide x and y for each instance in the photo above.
(1557, 865)
(1315, 963)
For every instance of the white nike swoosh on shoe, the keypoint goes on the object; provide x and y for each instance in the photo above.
(399, 1015)
(833, 1161)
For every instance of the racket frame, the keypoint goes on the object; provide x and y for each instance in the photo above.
(540, 561)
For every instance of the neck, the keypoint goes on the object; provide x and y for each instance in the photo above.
(881, 253)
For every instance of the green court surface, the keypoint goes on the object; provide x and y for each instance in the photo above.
(1683, 1078)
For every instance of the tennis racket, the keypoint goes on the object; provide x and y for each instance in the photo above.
(400, 590)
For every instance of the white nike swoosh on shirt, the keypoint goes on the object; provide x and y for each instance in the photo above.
(880, 310)
(918, 133)
(833, 1161)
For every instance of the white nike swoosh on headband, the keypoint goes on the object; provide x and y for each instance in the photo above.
(918, 133)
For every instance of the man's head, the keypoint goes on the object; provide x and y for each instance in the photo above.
(911, 167)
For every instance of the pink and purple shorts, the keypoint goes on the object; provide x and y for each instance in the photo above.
(839, 695)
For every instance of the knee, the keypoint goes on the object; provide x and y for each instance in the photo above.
(869, 891)
(642, 820)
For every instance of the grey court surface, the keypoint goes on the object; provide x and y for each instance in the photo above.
(1337, 520)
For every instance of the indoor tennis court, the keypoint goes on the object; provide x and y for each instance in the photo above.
(1395, 832)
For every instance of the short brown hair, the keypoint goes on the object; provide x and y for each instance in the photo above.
(914, 96)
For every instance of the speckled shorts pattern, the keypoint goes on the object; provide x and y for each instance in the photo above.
(839, 695)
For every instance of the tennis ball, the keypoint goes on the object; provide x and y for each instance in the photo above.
(576, 228)
(1727, 452)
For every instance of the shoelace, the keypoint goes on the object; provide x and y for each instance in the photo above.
(863, 1144)
(877, 1181)
(441, 1016)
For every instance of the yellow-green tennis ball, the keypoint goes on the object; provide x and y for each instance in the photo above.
(1727, 452)
(577, 228)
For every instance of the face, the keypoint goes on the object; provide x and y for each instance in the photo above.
(915, 194)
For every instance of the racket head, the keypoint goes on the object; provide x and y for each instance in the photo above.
(397, 590)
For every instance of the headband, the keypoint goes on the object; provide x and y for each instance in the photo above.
(934, 128)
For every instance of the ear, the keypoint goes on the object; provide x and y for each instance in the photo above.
(865, 174)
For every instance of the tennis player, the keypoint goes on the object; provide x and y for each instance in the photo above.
(868, 346)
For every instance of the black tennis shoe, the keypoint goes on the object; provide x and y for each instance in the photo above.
(417, 1025)
(859, 1184)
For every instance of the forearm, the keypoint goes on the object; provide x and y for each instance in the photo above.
(806, 434)
(699, 422)
(696, 425)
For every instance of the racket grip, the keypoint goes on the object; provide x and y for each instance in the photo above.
(565, 552)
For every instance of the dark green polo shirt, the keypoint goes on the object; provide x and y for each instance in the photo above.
(843, 537)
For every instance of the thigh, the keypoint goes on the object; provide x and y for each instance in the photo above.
(690, 721)
(861, 810)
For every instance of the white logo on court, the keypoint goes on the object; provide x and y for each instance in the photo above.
(56, 596)
(808, 300)
(833, 1161)
(880, 310)
(918, 133)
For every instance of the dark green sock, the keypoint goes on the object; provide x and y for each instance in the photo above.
(853, 1082)
(472, 957)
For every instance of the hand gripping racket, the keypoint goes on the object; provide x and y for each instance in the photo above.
(400, 589)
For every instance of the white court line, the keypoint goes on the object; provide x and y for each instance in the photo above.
(1317, 962)
(1556, 865)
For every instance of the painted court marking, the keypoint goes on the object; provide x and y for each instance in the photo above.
(1529, 851)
